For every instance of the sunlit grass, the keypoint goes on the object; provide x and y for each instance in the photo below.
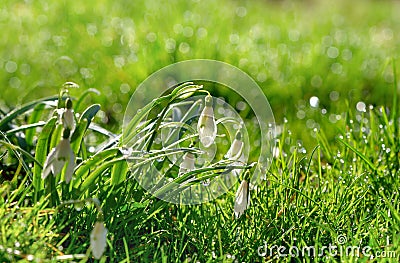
(336, 165)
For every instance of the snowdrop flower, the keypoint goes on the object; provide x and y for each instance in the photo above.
(206, 126)
(67, 116)
(236, 154)
(187, 164)
(236, 149)
(242, 200)
(98, 240)
(59, 156)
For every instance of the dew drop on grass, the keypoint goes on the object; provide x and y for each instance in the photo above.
(11, 66)
(361, 107)
(241, 11)
(78, 206)
(314, 101)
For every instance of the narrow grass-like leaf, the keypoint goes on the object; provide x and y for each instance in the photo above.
(41, 154)
(83, 96)
(21, 110)
(27, 128)
(359, 154)
(97, 172)
(82, 126)
(93, 162)
(130, 131)
(393, 210)
(118, 172)
(34, 118)
(20, 150)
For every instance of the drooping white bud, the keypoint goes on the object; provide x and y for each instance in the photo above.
(242, 200)
(59, 156)
(236, 148)
(187, 164)
(207, 127)
(68, 119)
(98, 239)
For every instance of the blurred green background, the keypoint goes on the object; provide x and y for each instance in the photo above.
(339, 52)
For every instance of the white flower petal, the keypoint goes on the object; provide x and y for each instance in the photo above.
(235, 150)
(207, 127)
(57, 166)
(48, 164)
(187, 164)
(68, 119)
(70, 167)
(63, 149)
(98, 240)
(242, 199)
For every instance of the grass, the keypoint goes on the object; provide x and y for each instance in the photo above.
(335, 174)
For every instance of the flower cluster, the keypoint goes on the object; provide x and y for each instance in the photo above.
(207, 129)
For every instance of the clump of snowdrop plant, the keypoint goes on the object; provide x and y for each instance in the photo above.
(84, 170)
(62, 155)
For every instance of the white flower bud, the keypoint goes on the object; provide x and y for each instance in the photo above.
(207, 127)
(98, 240)
(68, 119)
(242, 200)
(236, 149)
(187, 164)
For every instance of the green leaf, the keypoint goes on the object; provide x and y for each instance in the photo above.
(21, 110)
(34, 119)
(41, 154)
(83, 96)
(130, 131)
(185, 90)
(362, 156)
(118, 172)
(93, 162)
(96, 173)
(82, 126)
(27, 128)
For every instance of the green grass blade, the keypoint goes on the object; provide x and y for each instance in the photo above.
(29, 128)
(21, 110)
(358, 153)
(93, 162)
(34, 118)
(41, 154)
(118, 172)
(82, 126)
(96, 173)
(83, 96)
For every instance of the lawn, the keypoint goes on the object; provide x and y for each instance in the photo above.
(330, 188)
